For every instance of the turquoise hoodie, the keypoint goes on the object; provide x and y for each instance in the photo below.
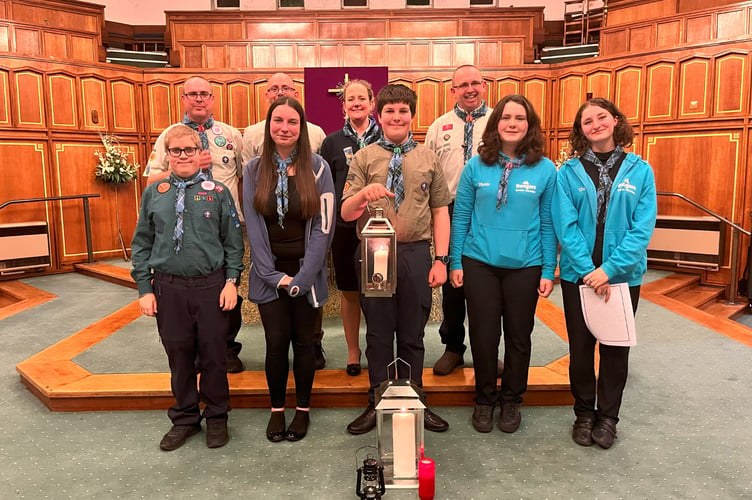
(520, 234)
(630, 221)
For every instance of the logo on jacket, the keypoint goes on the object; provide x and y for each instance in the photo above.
(525, 187)
(626, 186)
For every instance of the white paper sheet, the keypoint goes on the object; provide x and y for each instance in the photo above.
(612, 322)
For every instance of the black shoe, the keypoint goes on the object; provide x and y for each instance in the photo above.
(318, 355)
(433, 422)
(353, 369)
(275, 429)
(364, 423)
(509, 418)
(216, 433)
(234, 364)
(177, 436)
(447, 363)
(483, 418)
(604, 432)
(582, 429)
(299, 426)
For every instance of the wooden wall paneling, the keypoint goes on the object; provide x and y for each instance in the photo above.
(160, 106)
(5, 38)
(536, 93)
(731, 24)
(506, 86)
(626, 12)
(613, 42)
(83, 48)
(351, 29)
(329, 54)
(123, 99)
(571, 95)
(284, 55)
(421, 28)
(429, 98)
(306, 55)
(274, 30)
(441, 53)
(32, 155)
(237, 56)
(694, 88)
(216, 57)
(598, 83)
(375, 53)
(699, 29)
(668, 33)
(641, 38)
(448, 100)
(731, 84)
(63, 101)
(5, 99)
(674, 155)
(352, 54)
(420, 53)
(192, 56)
(218, 89)
(55, 45)
(93, 103)
(512, 52)
(628, 92)
(75, 18)
(464, 53)
(490, 96)
(259, 92)
(27, 41)
(489, 53)
(261, 56)
(73, 173)
(29, 102)
(240, 104)
(396, 54)
(560, 151)
(661, 91)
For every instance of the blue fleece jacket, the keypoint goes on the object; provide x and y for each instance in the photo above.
(630, 220)
(517, 235)
(311, 279)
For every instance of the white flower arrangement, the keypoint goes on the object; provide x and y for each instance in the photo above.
(113, 166)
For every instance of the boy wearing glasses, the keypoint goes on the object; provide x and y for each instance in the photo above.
(187, 257)
(455, 137)
(220, 157)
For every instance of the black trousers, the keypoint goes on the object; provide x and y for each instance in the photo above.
(612, 369)
(403, 315)
(289, 320)
(452, 328)
(236, 321)
(497, 296)
(191, 323)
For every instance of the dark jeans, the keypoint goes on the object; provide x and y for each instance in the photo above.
(497, 296)
(614, 360)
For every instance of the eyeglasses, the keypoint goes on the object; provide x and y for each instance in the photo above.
(176, 152)
(284, 89)
(195, 95)
(464, 86)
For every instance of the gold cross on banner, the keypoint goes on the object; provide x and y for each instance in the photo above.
(338, 90)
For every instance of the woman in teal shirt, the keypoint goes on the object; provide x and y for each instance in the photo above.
(503, 249)
(604, 214)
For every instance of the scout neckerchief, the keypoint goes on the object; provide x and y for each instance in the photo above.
(469, 119)
(371, 135)
(181, 185)
(281, 192)
(603, 193)
(509, 165)
(394, 179)
(201, 129)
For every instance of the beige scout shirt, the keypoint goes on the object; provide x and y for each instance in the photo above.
(225, 146)
(425, 188)
(253, 139)
(446, 137)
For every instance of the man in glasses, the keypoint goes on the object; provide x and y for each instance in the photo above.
(220, 157)
(279, 85)
(455, 137)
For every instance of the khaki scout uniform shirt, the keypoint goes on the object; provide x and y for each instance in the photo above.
(446, 138)
(253, 139)
(425, 188)
(225, 146)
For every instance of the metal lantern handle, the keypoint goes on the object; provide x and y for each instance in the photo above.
(370, 210)
(396, 374)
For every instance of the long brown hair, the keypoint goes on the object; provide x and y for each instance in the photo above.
(305, 181)
(531, 145)
(623, 134)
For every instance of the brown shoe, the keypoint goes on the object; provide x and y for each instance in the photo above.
(447, 363)
(582, 429)
(604, 432)
(177, 436)
(216, 433)
(510, 417)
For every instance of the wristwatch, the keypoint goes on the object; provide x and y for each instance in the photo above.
(234, 281)
(444, 259)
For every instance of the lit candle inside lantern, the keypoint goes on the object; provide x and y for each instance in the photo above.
(381, 263)
(403, 433)
(426, 479)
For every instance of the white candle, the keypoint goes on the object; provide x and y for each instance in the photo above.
(381, 263)
(403, 434)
